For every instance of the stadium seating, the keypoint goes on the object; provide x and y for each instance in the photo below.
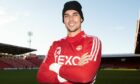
(120, 62)
(18, 62)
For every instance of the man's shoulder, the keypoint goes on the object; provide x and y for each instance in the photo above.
(59, 41)
(91, 37)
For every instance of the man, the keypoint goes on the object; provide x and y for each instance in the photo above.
(75, 58)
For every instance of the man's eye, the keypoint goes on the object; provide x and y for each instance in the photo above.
(76, 14)
(65, 15)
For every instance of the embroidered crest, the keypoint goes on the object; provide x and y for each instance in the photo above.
(79, 47)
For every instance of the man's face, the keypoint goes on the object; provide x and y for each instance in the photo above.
(72, 20)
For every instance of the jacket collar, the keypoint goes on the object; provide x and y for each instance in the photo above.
(75, 38)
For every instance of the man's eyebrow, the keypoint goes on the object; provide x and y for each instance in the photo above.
(75, 13)
(65, 14)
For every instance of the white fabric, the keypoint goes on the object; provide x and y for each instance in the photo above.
(61, 79)
(55, 67)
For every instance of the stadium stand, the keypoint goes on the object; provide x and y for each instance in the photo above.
(17, 57)
(4, 65)
(34, 59)
(121, 61)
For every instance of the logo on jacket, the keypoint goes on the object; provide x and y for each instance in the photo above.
(57, 51)
(79, 47)
(64, 59)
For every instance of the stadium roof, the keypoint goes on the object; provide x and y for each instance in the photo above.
(15, 50)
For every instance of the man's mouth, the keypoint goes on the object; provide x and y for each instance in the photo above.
(71, 24)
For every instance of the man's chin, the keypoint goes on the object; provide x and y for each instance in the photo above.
(72, 30)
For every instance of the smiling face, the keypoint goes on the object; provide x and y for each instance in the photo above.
(72, 21)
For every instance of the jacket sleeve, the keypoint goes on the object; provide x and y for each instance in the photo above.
(87, 72)
(44, 75)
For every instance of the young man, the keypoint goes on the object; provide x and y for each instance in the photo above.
(75, 58)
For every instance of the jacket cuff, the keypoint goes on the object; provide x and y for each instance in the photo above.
(55, 67)
(61, 79)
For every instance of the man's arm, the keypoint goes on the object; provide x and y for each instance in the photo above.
(55, 66)
(86, 71)
(82, 74)
(44, 75)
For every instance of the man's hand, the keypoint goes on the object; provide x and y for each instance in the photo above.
(84, 59)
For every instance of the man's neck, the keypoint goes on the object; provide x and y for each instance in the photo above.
(72, 34)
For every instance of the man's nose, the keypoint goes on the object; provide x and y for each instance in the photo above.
(71, 18)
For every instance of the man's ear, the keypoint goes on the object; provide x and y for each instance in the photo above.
(81, 20)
